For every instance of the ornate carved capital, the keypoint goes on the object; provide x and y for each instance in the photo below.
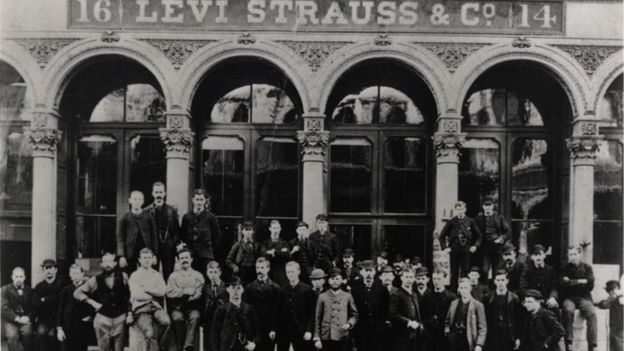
(44, 49)
(314, 53)
(178, 51)
(110, 37)
(177, 142)
(452, 55)
(521, 42)
(383, 40)
(43, 140)
(590, 57)
(448, 146)
(583, 149)
(313, 143)
(246, 39)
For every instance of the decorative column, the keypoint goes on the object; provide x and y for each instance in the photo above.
(447, 142)
(178, 140)
(44, 136)
(583, 147)
(314, 141)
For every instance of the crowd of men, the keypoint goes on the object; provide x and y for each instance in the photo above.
(305, 294)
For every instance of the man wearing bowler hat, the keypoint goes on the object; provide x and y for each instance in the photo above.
(541, 329)
(326, 247)
(496, 231)
(46, 298)
(349, 269)
(371, 300)
(301, 250)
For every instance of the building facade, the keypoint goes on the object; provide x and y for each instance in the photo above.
(380, 113)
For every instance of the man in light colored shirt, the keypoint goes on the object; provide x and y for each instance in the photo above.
(146, 286)
(184, 291)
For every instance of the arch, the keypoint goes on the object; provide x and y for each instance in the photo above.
(423, 63)
(195, 71)
(602, 79)
(67, 64)
(18, 58)
(565, 70)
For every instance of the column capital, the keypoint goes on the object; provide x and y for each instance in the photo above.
(313, 144)
(43, 140)
(583, 149)
(178, 142)
(448, 146)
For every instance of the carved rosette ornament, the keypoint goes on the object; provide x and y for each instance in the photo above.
(448, 146)
(589, 57)
(177, 142)
(452, 55)
(246, 39)
(583, 149)
(42, 50)
(521, 42)
(110, 37)
(313, 143)
(314, 53)
(383, 40)
(43, 140)
(177, 51)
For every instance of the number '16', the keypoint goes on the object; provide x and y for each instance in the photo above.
(542, 15)
(101, 11)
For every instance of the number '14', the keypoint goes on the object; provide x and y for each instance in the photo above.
(543, 15)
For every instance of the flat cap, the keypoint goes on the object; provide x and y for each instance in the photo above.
(322, 217)
(537, 249)
(534, 294)
(318, 274)
(367, 264)
(48, 262)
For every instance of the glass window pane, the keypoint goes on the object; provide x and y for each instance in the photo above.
(94, 235)
(530, 179)
(405, 175)
(223, 160)
(377, 104)
(272, 105)
(15, 172)
(356, 237)
(608, 199)
(491, 107)
(144, 104)
(277, 177)
(233, 107)
(610, 107)
(479, 173)
(147, 164)
(12, 93)
(396, 107)
(529, 233)
(97, 174)
(522, 112)
(407, 240)
(350, 175)
(608, 243)
(110, 108)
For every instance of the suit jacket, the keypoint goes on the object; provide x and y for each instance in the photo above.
(263, 298)
(515, 273)
(303, 256)
(541, 328)
(543, 280)
(457, 228)
(295, 309)
(278, 259)
(71, 310)
(212, 299)
(168, 230)
(130, 227)
(235, 256)
(201, 233)
(404, 307)
(514, 313)
(502, 227)
(372, 306)
(46, 298)
(232, 324)
(476, 324)
(333, 310)
(325, 250)
(435, 308)
(14, 305)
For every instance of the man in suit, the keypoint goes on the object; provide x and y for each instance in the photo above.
(167, 227)
(46, 297)
(17, 312)
(276, 250)
(422, 283)
(136, 231)
(242, 256)
(405, 314)
(371, 300)
(294, 317)
(502, 309)
(262, 294)
(541, 277)
(215, 295)
(350, 270)
(466, 324)
(515, 269)
(326, 247)
(73, 317)
(301, 250)
(436, 307)
(200, 230)
(496, 231)
(479, 290)
(235, 323)
(541, 330)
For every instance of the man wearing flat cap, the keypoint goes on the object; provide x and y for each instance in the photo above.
(46, 298)
(541, 330)
(301, 250)
(496, 231)
(318, 279)
(542, 277)
(371, 300)
(326, 247)
(243, 255)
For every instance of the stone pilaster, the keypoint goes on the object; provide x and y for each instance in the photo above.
(447, 142)
(314, 141)
(44, 136)
(178, 140)
(583, 147)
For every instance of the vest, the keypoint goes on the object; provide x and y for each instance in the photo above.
(114, 301)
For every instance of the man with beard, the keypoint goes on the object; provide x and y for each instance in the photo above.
(422, 283)
(200, 230)
(466, 324)
(371, 300)
(108, 294)
(275, 249)
(326, 247)
(215, 295)
(386, 277)
(137, 230)
(262, 294)
(294, 318)
(541, 277)
(424, 293)
(496, 231)
(541, 329)
(301, 250)
(184, 292)
(502, 310)
(46, 297)
(167, 227)
(515, 269)
(73, 317)
(438, 304)
(16, 312)
(405, 314)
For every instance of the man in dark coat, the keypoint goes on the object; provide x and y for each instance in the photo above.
(480, 291)
(350, 270)
(496, 231)
(74, 318)
(243, 255)
(46, 297)
(276, 250)
(464, 238)
(466, 324)
(371, 300)
(301, 250)
(541, 330)
(215, 295)
(405, 314)
(200, 231)
(17, 312)
(167, 227)
(615, 304)
(262, 294)
(235, 324)
(435, 308)
(294, 317)
(515, 269)
(136, 230)
(541, 277)
(326, 247)
(503, 313)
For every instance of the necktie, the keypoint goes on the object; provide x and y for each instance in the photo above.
(20, 292)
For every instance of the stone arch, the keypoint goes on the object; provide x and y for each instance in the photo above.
(194, 72)
(612, 68)
(422, 62)
(67, 63)
(18, 58)
(567, 72)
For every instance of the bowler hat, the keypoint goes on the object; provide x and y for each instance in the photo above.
(318, 274)
(247, 225)
(347, 252)
(321, 217)
(420, 271)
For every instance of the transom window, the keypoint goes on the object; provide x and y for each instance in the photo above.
(501, 107)
(131, 103)
(377, 104)
(255, 103)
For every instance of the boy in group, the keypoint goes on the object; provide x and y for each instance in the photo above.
(615, 304)
(371, 300)
(200, 230)
(502, 309)
(406, 314)
(466, 324)
(318, 279)
(336, 315)
(438, 303)
(147, 286)
(276, 250)
(215, 295)
(301, 250)
(46, 297)
(242, 256)
(137, 230)
(184, 292)
(16, 312)
(541, 277)
(108, 294)
(73, 318)
(541, 329)
(262, 294)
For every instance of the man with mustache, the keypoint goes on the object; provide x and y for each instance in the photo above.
(108, 294)
(73, 317)
(371, 300)
(16, 312)
(262, 294)
(515, 269)
(167, 227)
(46, 297)
(200, 230)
